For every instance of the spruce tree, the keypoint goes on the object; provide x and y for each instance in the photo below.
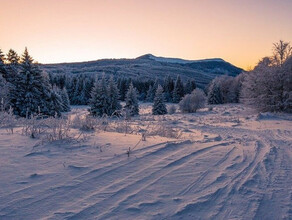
(150, 94)
(99, 102)
(178, 91)
(12, 57)
(132, 105)
(5, 88)
(168, 86)
(2, 65)
(113, 95)
(189, 86)
(56, 104)
(65, 100)
(214, 94)
(159, 107)
(32, 91)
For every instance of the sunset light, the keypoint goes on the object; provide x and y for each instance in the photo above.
(57, 31)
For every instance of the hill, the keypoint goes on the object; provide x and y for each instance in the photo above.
(150, 67)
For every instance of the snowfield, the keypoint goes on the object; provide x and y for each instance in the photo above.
(227, 163)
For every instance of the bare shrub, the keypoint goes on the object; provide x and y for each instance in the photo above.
(192, 102)
(163, 130)
(33, 126)
(57, 129)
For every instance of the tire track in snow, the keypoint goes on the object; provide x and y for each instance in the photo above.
(84, 185)
(124, 194)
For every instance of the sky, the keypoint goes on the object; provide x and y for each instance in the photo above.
(238, 31)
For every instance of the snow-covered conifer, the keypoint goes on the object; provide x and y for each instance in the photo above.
(99, 102)
(214, 93)
(132, 105)
(159, 107)
(113, 95)
(178, 91)
(65, 100)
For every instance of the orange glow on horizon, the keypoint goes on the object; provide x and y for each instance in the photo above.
(55, 31)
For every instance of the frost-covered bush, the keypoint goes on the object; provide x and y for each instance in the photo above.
(192, 102)
(85, 123)
(57, 129)
(171, 109)
(33, 126)
(8, 120)
(163, 130)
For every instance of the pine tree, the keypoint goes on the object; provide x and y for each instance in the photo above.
(113, 95)
(99, 102)
(88, 85)
(12, 57)
(65, 100)
(214, 93)
(159, 107)
(32, 91)
(4, 94)
(2, 65)
(2, 57)
(122, 85)
(132, 104)
(168, 87)
(190, 86)
(56, 105)
(178, 91)
(150, 94)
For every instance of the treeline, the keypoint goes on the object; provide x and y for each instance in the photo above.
(26, 89)
(80, 86)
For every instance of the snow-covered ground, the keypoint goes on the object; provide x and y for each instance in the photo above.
(228, 163)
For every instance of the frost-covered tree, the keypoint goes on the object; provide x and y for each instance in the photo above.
(4, 94)
(281, 52)
(268, 86)
(99, 102)
(192, 102)
(190, 86)
(32, 91)
(159, 107)
(65, 100)
(168, 87)
(150, 95)
(214, 93)
(178, 91)
(113, 95)
(132, 105)
(2, 65)
(56, 106)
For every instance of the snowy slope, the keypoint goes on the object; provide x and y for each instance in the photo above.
(229, 163)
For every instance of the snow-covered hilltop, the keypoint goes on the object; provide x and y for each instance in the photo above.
(178, 60)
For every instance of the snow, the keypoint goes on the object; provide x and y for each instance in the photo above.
(228, 163)
(181, 61)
